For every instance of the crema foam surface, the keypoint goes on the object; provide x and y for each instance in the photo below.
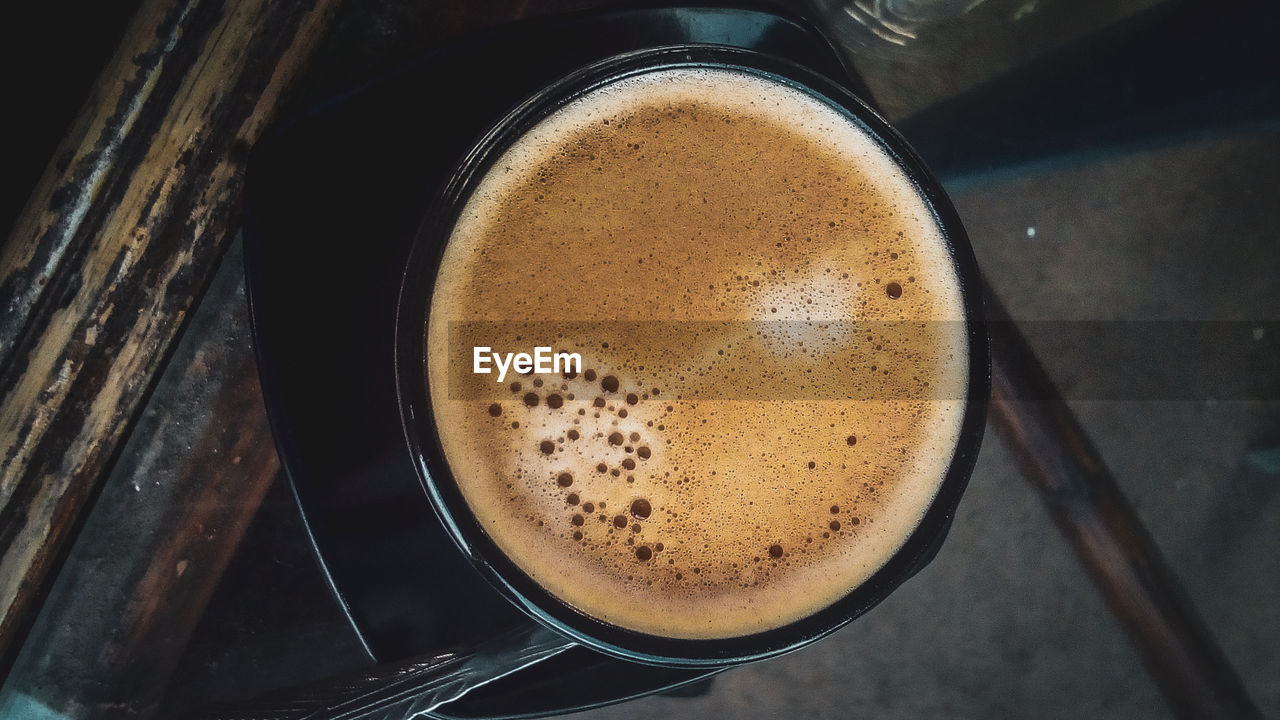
(774, 355)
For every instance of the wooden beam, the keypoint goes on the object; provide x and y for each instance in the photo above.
(163, 529)
(116, 243)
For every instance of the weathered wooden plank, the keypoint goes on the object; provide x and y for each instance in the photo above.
(162, 530)
(115, 244)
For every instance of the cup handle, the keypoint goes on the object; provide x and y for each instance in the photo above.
(404, 689)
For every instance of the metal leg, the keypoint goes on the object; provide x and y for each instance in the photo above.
(1060, 462)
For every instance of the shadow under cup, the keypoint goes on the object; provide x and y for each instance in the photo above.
(420, 425)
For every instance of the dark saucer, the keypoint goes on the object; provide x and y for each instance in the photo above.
(332, 202)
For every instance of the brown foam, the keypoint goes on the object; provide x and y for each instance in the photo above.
(712, 197)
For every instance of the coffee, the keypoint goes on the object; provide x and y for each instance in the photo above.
(774, 358)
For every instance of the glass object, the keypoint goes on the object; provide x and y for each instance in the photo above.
(880, 26)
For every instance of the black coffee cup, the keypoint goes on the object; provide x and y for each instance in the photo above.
(421, 432)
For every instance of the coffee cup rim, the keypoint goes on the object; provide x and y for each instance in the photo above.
(418, 421)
